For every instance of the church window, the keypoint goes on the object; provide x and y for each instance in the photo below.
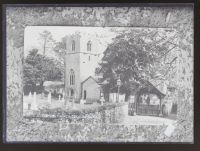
(72, 77)
(73, 45)
(89, 46)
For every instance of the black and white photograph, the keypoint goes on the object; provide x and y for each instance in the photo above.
(99, 74)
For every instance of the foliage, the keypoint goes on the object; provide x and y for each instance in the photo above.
(39, 68)
(60, 48)
(94, 131)
(47, 40)
(69, 113)
(136, 55)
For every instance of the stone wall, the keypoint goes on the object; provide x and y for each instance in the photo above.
(17, 18)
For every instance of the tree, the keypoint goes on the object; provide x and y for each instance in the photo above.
(60, 49)
(47, 39)
(39, 68)
(136, 56)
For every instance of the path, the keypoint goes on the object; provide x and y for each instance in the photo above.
(144, 120)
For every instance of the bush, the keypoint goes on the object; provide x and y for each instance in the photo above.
(63, 131)
(97, 112)
(56, 95)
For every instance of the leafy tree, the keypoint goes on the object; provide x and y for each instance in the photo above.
(39, 68)
(60, 49)
(135, 56)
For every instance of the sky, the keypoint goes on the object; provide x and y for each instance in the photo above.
(104, 34)
(32, 34)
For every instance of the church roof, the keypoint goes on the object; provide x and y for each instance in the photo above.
(91, 77)
(96, 79)
(147, 86)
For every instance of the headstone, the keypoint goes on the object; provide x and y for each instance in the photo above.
(34, 103)
(102, 100)
(42, 94)
(82, 101)
(113, 97)
(49, 97)
(121, 97)
(30, 97)
(63, 97)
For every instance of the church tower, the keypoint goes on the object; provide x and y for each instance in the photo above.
(72, 66)
(80, 62)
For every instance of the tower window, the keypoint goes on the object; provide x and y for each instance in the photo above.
(73, 45)
(72, 77)
(89, 46)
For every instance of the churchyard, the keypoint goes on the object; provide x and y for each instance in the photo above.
(88, 122)
(35, 102)
(39, 103)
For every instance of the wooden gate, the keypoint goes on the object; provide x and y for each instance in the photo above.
(143, 109)
(131, 109)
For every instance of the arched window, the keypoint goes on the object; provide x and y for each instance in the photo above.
(71, 77)
(89, 46)
(73, 45)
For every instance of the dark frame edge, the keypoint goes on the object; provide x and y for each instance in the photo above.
(4, 79)
(135, 4)
(4, 57)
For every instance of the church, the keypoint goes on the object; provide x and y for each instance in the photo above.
(82, 56)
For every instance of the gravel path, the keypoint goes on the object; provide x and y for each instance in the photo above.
(144, 120)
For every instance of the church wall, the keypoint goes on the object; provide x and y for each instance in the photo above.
(88, 61)
(92, 90)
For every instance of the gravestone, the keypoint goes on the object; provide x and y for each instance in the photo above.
(49, 98)
(34, 102)
(30, 97)
(102, 100)
(63, 97)
(121, 97)
(82, 101)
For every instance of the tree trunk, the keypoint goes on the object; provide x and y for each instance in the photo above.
(41, 87)
(65, 94)
(44, 48)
